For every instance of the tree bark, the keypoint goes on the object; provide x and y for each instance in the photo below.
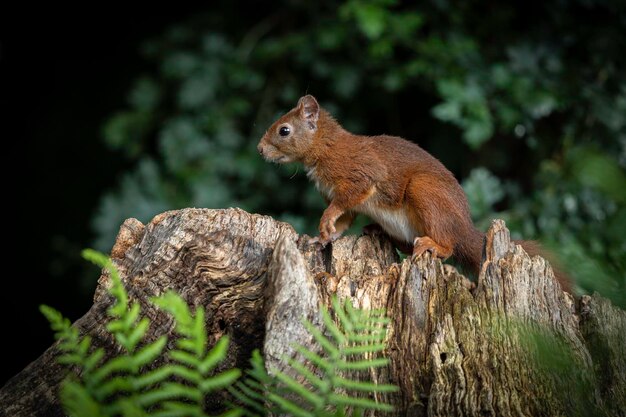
(457, 348)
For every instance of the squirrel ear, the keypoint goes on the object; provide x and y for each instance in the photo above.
(308, 108)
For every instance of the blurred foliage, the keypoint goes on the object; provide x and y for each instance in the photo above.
(559, 367)
(525, 103)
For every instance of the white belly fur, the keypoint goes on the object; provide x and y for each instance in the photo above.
(326, 191)
(394, 222)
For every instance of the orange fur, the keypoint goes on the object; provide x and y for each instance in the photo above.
(408, 192)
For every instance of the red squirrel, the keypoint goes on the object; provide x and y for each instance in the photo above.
(412, 196)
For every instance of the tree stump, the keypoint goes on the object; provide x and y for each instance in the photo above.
(457, 348)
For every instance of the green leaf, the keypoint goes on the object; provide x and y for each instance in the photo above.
(215, 355)
(597, 170)
(299, 389)
(313, 379)
(56, 319)
(145, 95)
(339, 399)
(70, 359)
(130, 409)
(94, 359)
(372, 337)
(346, 322)
(150, 352)
(173, 408)
(316, 359)
(77, 401)
(362, 364)
(365, 386)
(232, 413)
(168, 391)
(83, 346)
(131, 315)
(97, 258)
(289, 406)
(361, 349)
(155, 376)
(328, 346)
(137, 333)
(248, 397)
(219, 381)
(371, 19)
(337, 334)
(448, 111)
(115, 385)
(186, 358)
(192, 375)
(117, 364)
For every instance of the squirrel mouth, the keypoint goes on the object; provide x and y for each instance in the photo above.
(281, 159)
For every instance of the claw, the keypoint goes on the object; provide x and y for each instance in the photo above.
(422, 245)
(318, 239)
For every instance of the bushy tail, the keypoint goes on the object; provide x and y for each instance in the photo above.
(534, 248)
(469, 254)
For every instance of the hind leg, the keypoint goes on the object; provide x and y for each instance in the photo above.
(432, 214)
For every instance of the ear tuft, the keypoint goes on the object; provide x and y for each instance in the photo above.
(308, 108)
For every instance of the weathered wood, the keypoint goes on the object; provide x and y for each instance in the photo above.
(456, 348)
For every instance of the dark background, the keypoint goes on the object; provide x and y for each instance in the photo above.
(63, 74)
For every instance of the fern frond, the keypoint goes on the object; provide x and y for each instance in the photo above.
(248, 396)
(78, 401)
(168, 391)
(363, 349)
(117, 387)
(372, 337)
(232, 413)
(311, 378)
(360, 365)
(347, 324)
(175, 409)
(136, 333)
(219, 381)
(338, 399)
(314, 358)
(193, 362)
(365, 386)
(129, 408)
(334, 330)
(62, 326)
(303, 391)
(93, 359)
(114, 385)
(324, 342)
(186, 358)
(252, 391)
(289, 407)
(117, 364)
(149, 352)
(321, 389)
(215, 355)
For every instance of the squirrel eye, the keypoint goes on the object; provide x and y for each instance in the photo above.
(284, 131)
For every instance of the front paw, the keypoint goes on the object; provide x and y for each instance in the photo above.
(328, 233)
(315, 241)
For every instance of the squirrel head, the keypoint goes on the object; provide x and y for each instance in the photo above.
(290, 138)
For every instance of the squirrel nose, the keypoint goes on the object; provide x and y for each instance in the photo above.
(260, 149)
